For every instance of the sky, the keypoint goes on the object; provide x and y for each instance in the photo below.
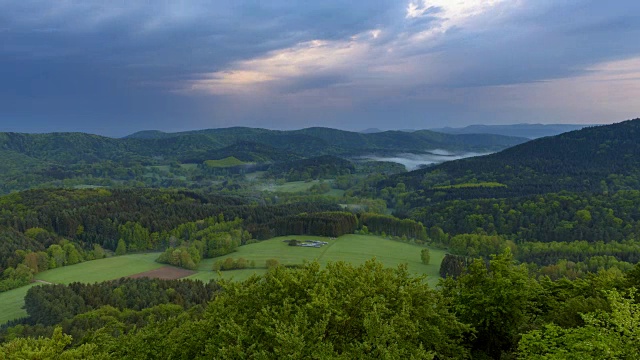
(119, 66)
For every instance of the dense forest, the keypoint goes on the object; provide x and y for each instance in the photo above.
(323, 167)
(542, 245)
(596, 159)
(172, 160)
(493, 310)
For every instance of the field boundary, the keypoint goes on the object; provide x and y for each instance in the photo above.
(164, 273)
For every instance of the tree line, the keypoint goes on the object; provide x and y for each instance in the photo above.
(494, 309)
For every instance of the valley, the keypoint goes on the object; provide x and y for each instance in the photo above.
(355, 249)
(553, 211)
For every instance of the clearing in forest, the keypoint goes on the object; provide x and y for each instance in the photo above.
(355, 249)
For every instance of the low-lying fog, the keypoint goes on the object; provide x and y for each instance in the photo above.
(415, 161)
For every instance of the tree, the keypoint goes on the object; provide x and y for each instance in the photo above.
(498, 299)
(614, 335)
(49, 348)
(425, 256)
(98, 252)
(272, 263)
(453, 265)
(122, 247)
(72, 254)
(341, 311)
(57, 256)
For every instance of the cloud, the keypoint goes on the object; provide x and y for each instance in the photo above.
(280, 63)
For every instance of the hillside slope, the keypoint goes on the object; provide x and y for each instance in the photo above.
(597, 158)
(33, 160)
(531, 131)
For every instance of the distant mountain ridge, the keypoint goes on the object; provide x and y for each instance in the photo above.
(29, 159)
(531, 131)
(316, 141)
(598, 158)
(73, 148)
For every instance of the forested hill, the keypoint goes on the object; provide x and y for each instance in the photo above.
(531, 131)
(69, 148)
(601, 158)
(321, 141)
(31, 160)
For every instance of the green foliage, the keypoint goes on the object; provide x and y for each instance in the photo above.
(453, 265)
(98, 252)
(393, 226)
(135, 236)
(231, 264)
(121, 249)
(323, 167)
(53, 304)
(499, 300)
(182, 256)
(479, 245)
(342, 311)
(595, 159)
(230, 161)
(605, 335)
(334, 224)
(49, 348)
(206, 238)
(272, 263)
(68, 159)
(425, 256)
(470, 185)
(14, 278)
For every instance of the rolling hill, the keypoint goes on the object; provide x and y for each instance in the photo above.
(599, 158)
(31, 160)
(317, 141)
(531, 131)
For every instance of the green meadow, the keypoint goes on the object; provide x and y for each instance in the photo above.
(355, 249)
(101, 270)
(11, 302)
(298, 186)
(223, 163)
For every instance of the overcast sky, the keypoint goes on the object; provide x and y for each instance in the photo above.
(119, 66)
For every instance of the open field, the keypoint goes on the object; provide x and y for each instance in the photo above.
(189, 166)
(102, 270)
(224, 163)
(355, 249)
(298, 186)
(11, 303)
(165, 273)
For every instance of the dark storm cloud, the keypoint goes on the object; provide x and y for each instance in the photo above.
(120, 66)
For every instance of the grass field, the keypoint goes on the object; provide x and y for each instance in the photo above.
(11, 302)
(102, 270)
(223, 163)
(189, 166)
(355, 249)
(298, 186)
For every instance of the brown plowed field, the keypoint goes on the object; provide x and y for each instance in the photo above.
(166, 273)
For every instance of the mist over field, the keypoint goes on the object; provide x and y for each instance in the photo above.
(414, 161)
